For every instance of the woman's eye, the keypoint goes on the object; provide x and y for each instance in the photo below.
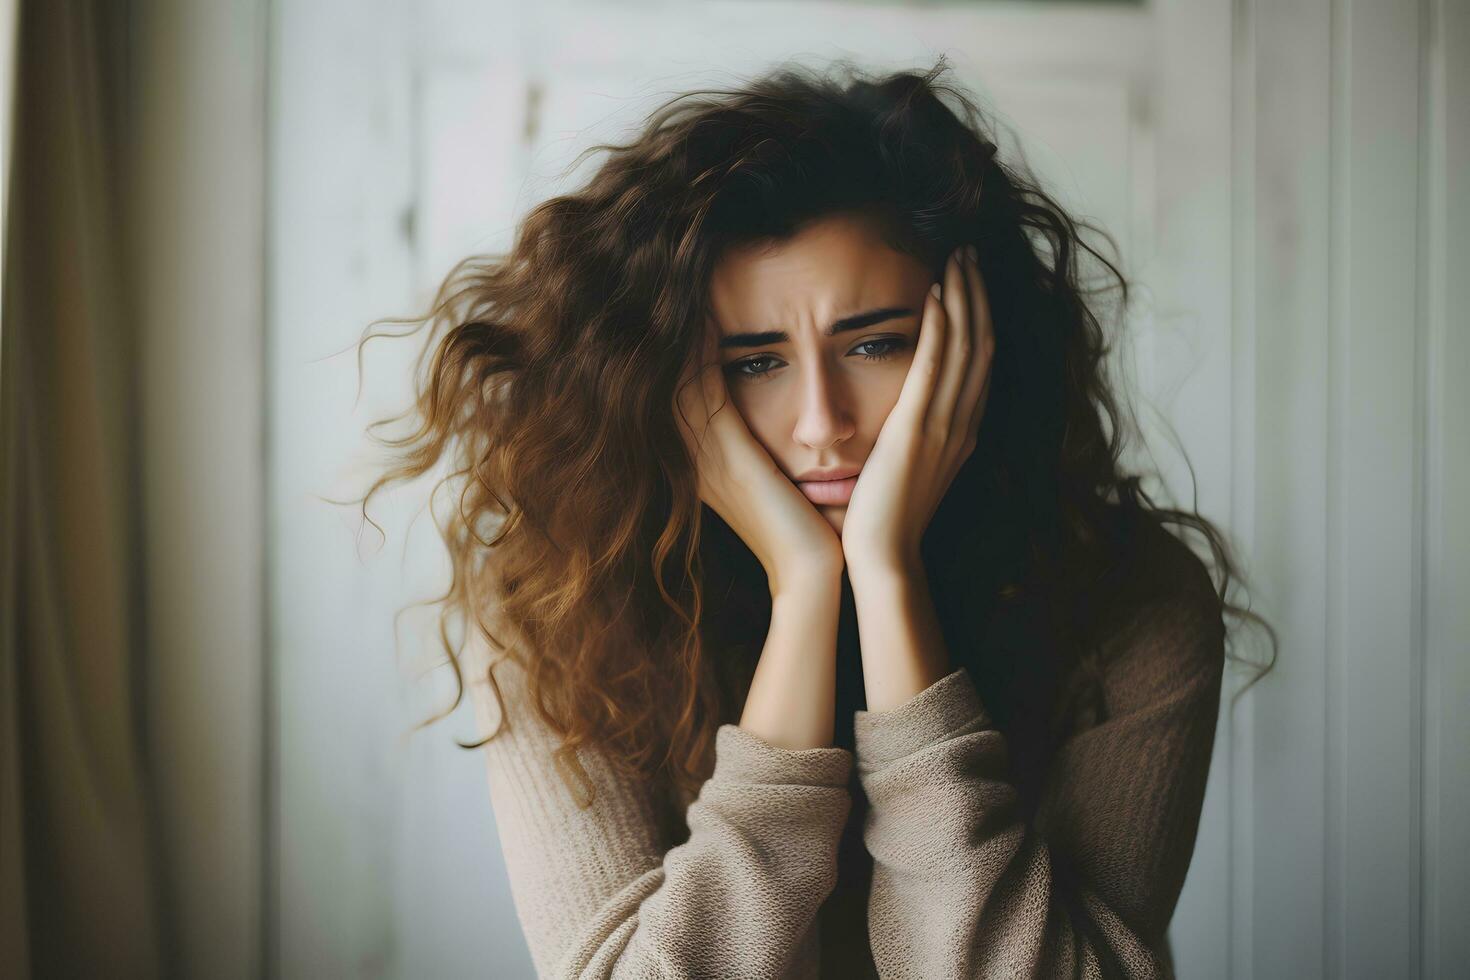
(740, 368)
(885, 348)
(888, 346)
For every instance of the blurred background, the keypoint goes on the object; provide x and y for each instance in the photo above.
(207, 696)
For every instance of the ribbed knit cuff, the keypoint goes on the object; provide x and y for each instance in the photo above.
(934, 714)
(742, 757)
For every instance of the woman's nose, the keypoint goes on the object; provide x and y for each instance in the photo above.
(823, 418)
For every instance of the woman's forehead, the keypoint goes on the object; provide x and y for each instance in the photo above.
(832, 267)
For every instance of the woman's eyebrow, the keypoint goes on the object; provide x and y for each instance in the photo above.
(855, 322)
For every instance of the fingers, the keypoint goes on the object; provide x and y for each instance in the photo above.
(717, 393)
(959, 341)
(949, 382)
(976, 390)
(719, 441)
(689, 406)
(923, 374)
(701, 387)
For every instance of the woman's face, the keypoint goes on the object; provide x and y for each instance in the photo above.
(817, 334)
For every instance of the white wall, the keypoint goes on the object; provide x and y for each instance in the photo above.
(1287, 180)
(1351, 225)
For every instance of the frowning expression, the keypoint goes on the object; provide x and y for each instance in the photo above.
(817, 333)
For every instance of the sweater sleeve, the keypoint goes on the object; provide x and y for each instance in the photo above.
(600, 892)
(963, 886)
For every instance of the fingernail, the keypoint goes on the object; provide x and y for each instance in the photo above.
(971, 252)
(934, 290)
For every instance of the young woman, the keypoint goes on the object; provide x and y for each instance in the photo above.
(818, 630)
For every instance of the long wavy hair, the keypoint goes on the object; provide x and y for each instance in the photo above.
(547, 381)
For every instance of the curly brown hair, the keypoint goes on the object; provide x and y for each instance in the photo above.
(636, 612)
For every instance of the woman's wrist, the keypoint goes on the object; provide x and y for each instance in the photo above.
(818, 577)
(791, 701)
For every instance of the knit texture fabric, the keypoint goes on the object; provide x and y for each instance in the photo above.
(961, 884)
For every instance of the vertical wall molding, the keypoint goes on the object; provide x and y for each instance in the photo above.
(1375, 321)
(1240, 890)
(1445, 853)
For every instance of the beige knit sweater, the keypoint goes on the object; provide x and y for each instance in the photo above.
(736, 882)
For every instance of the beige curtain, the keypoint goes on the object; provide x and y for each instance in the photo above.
(79, 890)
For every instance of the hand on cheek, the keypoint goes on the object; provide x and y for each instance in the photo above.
(932, 429)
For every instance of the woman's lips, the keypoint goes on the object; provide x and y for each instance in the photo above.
(828, 491)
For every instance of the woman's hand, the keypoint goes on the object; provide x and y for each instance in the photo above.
(743, 484)
(931, 430)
